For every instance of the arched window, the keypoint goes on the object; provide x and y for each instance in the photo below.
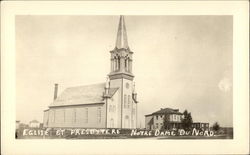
(118, 63)
(115, 64)
(112, 64)
(126, 63)
(125, 101)
(129, 100)
(129, 63)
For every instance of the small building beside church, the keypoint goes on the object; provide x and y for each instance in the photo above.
(34, 124)
(112, 104)
(174, 120)
(156, 119)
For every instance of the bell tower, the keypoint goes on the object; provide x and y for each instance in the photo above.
(121, 77)
(121, 55)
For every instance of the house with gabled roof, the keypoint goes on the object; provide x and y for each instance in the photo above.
(172, 118)
(156, 119)
(112, 104)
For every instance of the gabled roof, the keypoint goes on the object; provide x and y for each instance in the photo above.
(88, 94)
(166, 111)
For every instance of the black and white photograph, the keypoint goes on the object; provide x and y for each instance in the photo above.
(124, 77)
(121, 78)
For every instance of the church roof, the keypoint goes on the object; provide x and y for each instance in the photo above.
(87, 94)
(166, 111)
(121, 40)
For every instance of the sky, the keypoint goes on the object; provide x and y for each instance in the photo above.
(180, 62)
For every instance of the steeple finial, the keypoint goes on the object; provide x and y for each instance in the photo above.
(121, 40)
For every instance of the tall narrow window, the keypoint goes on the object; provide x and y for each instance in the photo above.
(63, 115)
(118, 63)
(112, 65)
(99, 115)
(125, 101)
(115, 63)
(129, 66)
(126, 63)
(86, 115)
(110, 108)
(129, 101)
(74, 115)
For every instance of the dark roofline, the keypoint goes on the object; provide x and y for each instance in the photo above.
(200, 123)
(161, 114)
(101, 83)
(174, 111)
(74, 105)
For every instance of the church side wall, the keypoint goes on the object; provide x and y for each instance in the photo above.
(84, 116)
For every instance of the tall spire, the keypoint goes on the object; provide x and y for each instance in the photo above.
(121, 40)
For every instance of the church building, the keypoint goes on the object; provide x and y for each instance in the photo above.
(112, 104)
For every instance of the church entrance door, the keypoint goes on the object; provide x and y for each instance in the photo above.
(127, 124)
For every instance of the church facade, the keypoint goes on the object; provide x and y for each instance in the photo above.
(112, 104)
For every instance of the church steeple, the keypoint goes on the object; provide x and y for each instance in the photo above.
(121, 77)
(121, 40)
(121, 56)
